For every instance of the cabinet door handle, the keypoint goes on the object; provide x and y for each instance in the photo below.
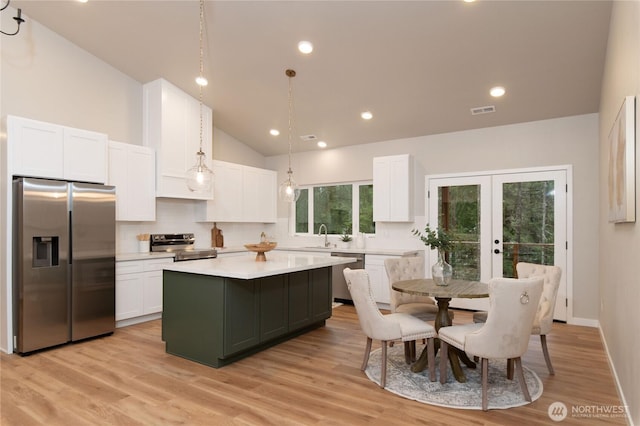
(496, 251)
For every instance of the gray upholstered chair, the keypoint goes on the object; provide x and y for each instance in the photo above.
(409, 268)
(387, 328)
(505, 335)
(543, 320)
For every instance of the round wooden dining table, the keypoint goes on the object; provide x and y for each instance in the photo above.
(443, 295)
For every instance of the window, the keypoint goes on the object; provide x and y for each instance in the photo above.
(345, 208)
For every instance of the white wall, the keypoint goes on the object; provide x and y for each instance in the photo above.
(620, 243)
(571, 140)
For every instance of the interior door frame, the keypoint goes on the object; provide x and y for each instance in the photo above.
(476, 176)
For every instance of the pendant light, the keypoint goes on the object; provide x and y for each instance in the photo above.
(289, 190)
(200, 177)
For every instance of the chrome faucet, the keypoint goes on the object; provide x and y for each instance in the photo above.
(326, 241)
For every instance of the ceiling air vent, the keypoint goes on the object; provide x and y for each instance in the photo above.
(309, 138)
(483, 110)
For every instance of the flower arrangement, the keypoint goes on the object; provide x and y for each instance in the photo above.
(434, 239)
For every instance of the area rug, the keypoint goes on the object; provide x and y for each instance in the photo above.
(502, 393)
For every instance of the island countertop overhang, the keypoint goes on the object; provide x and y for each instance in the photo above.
(246, 267)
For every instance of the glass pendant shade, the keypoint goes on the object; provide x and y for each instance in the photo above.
(200, 177)
(289, 190)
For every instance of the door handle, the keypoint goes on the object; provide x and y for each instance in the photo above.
(496, 251)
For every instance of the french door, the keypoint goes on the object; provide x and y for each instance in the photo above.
(497, 220)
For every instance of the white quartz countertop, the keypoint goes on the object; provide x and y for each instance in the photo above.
(371, 251)
(246, 267)
(122, 257)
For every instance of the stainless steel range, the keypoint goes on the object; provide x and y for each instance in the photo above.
(183, 245)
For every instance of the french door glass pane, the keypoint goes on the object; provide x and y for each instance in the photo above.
(367, 225)
(459, 216)
(302, 212)
(332, 205)
(527, 224)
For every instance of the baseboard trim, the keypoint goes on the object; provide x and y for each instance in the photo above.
(615, 377)
(586, 322)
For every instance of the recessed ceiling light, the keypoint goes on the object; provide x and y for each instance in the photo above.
(305, 47)
(469, 1)
(366, 115)
(322, 144)
(201, 81)
(274, 132)
(497, 91)
(83, 1)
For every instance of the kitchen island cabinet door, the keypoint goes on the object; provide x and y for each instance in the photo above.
(274, 299)
(241, 315)
(300, 290)
(321, 297)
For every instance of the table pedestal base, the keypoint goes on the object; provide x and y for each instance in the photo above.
(455, 354)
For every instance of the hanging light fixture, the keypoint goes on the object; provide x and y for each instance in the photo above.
(289, 190)
(200, 177)
(18, 18)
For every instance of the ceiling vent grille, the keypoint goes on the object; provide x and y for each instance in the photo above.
(309, 138)
(483, 110)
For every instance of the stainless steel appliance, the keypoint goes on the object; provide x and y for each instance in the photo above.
(183, 245)
(340, 291)
(64, 263)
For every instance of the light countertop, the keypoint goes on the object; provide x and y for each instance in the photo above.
(245, 267)
(122, 257)
(241, 249)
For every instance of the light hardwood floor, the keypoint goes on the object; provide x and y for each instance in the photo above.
(315, 379)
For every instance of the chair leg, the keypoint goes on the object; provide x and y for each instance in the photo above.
(407, 352)
(523, 384)
(444, 359)
(484, 362)
(413, 351)
(367, 351)
(383, 367)
(545, 352)
(431, 358)
(510, 369)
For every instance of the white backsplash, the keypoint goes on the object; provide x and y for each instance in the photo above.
(178, 216)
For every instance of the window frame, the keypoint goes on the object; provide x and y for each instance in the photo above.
(355, 207)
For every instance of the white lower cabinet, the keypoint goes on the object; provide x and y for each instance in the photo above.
(374, 265)
(139, 288)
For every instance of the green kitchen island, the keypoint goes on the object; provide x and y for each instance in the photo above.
(217, 311)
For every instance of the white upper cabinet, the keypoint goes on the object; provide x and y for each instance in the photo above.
(132, 172)
(171, 125)
(242, 194)
(393, 181)
(49, 150)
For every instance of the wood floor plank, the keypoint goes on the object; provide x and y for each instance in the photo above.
(314, 379)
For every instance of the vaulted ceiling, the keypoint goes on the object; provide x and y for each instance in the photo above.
(418, 66)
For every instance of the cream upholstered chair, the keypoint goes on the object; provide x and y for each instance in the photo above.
(505, 335)
(388, 327)
(543, 320)
(409, 268)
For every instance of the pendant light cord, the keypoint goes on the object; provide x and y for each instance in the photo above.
(201, 68)
(290, 73)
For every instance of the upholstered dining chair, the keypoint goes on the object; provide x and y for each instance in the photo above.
(543, 320)
(505, 334)
(386, 328)
(409, 268)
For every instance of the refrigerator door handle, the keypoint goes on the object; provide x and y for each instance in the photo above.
(70, 237)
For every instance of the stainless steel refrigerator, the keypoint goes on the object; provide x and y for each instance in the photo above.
(64, 262)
